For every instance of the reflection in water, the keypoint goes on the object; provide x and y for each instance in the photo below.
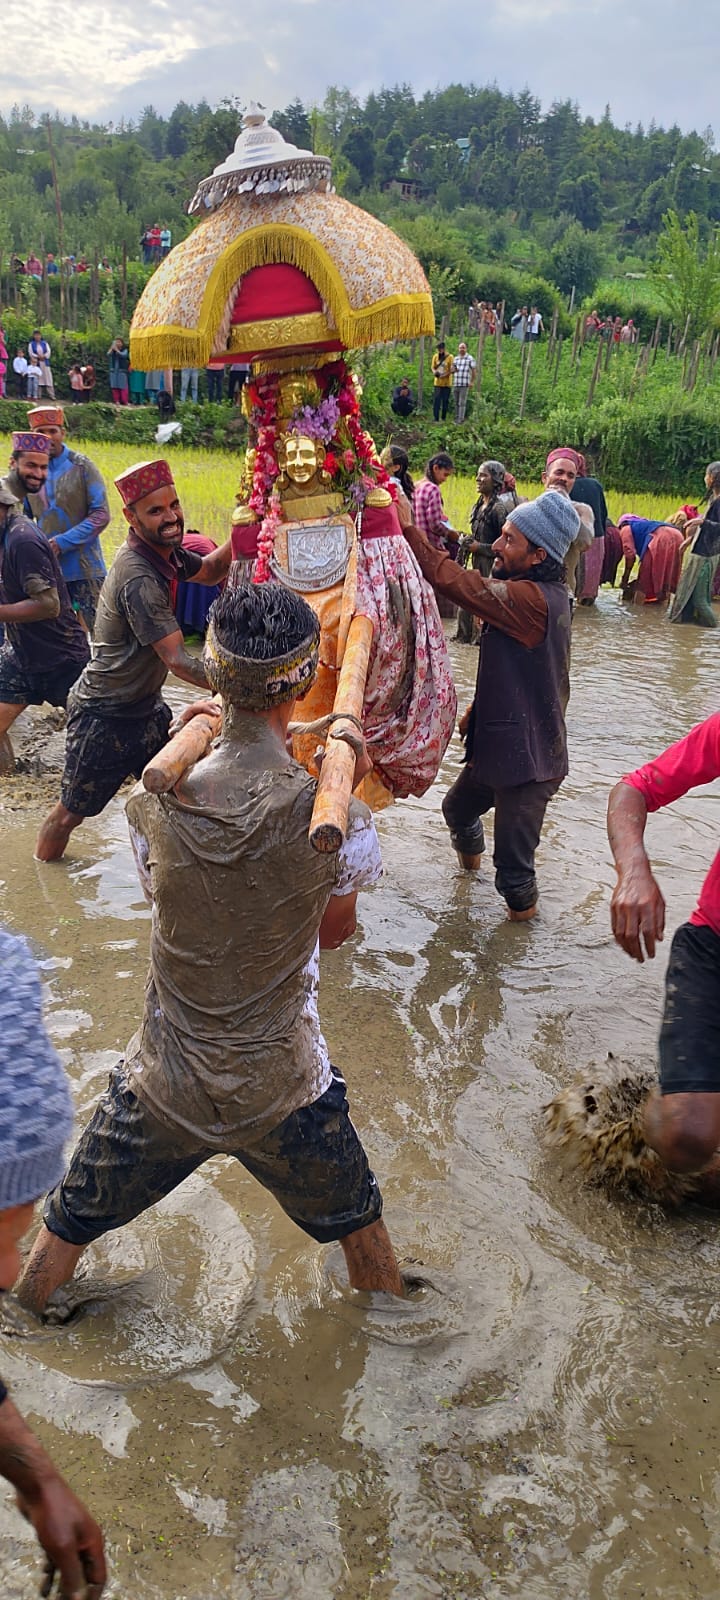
(538, 1420)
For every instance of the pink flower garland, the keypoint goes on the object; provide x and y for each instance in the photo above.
(265, 500)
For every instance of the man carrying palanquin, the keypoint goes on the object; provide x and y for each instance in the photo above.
(229, 1056)
(117, 719)
(46, 648)
(72, 510)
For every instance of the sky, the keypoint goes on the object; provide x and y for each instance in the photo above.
(645, 58)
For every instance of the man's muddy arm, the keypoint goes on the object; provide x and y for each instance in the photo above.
(70, 1538)
(637, 908)
(177, 659)
(42, 609)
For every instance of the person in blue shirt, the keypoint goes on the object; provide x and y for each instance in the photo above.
(72, 512)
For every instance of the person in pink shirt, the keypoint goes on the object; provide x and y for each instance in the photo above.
(682, 1118)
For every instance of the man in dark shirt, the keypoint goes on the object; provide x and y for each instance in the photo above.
(516, 746)
(403, 401)
(46, 648)
(117, 718)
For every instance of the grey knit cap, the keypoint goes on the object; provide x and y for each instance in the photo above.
(35, 1107)
(551, 522)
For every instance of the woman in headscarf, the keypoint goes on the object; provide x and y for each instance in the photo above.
(658, 547)
(486, 523)
(692, 601)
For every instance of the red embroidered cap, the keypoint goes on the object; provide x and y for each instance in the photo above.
(143, 479)
(46, 417)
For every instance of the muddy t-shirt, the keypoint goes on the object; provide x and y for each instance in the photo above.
(28, 569)
(230, 1042)
(125, 675)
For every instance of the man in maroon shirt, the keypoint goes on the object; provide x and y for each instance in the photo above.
(516, 746)
(682, 1119)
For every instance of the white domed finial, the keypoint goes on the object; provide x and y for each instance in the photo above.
(262, 163)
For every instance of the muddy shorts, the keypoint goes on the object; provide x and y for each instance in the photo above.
(21, 688)
(101, 752)
(84, 595)
(313, 1163)
(690, 1032)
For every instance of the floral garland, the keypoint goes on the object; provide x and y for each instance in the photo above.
(350, 462)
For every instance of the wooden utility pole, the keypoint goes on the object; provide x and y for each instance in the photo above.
(123, 286)
(499, 325)
(479, 363)
(59, 215)
(526, 378)
(596, 373)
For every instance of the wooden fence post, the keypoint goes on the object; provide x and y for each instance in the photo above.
(526, 377)
(596, 373)
(421, 372)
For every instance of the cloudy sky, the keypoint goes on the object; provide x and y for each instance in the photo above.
(646, 58)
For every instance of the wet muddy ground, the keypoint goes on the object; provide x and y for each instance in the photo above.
(541, 1418)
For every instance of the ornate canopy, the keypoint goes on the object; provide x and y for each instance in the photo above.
(362, 284)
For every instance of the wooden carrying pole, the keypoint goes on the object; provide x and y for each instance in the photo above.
(181, 752)
(328, 825)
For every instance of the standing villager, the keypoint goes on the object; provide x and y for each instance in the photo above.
(442, 367)
(561, 471)
(72, 510)
(396, 462)
(35, 1120)
(463, 378)
(229, 1056)
(427, 502)
(588, 491)
(39, 354)
(516, 745)
(45, 649)
(658, 548)
(117, 719)
(692, 601)
(487, 520)
(119, 364)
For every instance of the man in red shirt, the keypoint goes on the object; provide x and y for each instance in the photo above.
(682, 1119)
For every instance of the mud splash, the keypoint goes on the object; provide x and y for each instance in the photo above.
(540, 1419)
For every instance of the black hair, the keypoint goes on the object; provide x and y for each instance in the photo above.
(547, 571)
(401, 463)
(442, 459)
(261, 621)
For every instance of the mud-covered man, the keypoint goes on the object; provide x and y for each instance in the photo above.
(72, 510)
(46, 648)
(229, 1056)
(35, 1121)
(117, 717)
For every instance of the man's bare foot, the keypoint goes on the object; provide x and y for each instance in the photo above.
(7, 756)
(470, 863)
(522, 916)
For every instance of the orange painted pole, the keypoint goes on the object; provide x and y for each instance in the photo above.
(328, 825)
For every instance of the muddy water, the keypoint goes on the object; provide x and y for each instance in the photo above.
(541, 1419)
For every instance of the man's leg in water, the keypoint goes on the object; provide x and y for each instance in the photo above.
(123, 1164)
(8, 715)
(317, 1169)
(100, 753)
(682, 1120)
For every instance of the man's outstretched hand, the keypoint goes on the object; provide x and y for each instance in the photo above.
(637, 911)
(72, 1541)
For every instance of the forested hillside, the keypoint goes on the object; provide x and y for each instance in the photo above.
(522, 184)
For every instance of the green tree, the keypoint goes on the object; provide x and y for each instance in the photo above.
(575, 261)
(582, 197)
(358, 147)
(533, 181)
(686, 273)
(294, 125)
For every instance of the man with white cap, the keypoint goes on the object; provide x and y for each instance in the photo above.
(516, 745)
(35, 1121)
(117, 718)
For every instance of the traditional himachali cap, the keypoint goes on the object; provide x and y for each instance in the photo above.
(35, 1105)
(262, 161)
(46, 417)
(566, 454)
(260, 684)
(550, 522)
(31, 444)
(142, 479)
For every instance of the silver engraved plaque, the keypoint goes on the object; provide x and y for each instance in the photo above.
(317, 554)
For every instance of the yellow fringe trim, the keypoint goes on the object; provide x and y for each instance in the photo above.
(396, 316)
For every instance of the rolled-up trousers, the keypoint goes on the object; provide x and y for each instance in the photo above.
(519, 816)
